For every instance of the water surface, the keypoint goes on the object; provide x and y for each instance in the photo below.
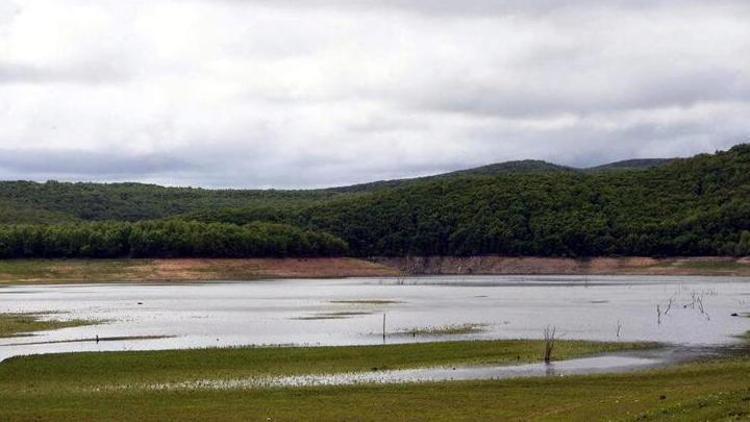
(695, 311)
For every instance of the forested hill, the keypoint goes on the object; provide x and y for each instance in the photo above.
(687, 207)
(695, 206)
(509, 167)
(55, 202)
(637, 164)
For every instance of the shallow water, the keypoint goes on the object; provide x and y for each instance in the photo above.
(591, 365)
(621, 362)
(350, 311)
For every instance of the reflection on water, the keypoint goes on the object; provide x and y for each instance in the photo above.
(691, 311)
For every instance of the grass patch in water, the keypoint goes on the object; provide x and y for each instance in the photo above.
(348, 313)
(444, 330)
(367, 302)
(20, 325)
(332, 315)
(318, 317)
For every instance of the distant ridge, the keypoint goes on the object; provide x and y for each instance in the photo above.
(635, 164)
(513, 167)
(57, 202)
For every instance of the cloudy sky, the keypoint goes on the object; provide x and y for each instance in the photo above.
(306, 93)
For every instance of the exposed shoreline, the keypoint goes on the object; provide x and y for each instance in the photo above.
(501, 265)
(199, 269)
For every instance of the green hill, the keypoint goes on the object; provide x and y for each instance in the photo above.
(50, 202)
(636, 164)
(695, 206)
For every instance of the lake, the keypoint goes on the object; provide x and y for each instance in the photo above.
(692, 311)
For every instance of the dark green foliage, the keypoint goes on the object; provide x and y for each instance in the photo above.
(698, 206)
(171, 238)
(636, 164)
(135, 201)
(509, 167)
(687, 207)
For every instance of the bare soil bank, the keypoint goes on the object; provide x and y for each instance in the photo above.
(183, 270)
(714, 266)
(155, 270)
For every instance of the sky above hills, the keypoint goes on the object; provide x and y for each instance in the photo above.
(307, 93)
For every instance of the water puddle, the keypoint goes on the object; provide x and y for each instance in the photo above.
(85, 340)
(582, 366)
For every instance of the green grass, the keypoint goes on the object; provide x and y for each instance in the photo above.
(89, 369)
(81, 270)
(444, 330)
(15, 325)
(333, 315)
(50, 387)
(366, 302)
(715, 266)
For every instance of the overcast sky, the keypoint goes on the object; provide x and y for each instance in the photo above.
(307, 93)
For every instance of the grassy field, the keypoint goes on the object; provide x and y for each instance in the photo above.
(93, 369)
(64, 387)
(14, 325)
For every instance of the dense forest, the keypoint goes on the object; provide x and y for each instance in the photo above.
(685, 207)
(167, 239)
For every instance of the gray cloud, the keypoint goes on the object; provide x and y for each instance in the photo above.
(86, 74)
(283, 93)
(452, 8)
(87, 163)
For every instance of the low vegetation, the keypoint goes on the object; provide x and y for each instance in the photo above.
(366, 301)
(444, 330)
(56, 271)
(64, 387)
(75, 370)
(16, 325)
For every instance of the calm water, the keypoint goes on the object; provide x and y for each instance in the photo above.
(337, 312)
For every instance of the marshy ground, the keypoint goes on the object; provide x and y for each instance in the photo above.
(200, 384)
(25, 324)
(89, 386)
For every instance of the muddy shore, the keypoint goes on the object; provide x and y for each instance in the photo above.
(489, 265)
(177, 270)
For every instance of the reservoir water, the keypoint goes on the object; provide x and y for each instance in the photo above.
(692, 311)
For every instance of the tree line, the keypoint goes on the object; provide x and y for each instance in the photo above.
(165, 239)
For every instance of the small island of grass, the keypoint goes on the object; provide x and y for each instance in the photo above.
(25, 324)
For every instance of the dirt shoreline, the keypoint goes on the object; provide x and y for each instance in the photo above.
(502, 265)
(184, 270)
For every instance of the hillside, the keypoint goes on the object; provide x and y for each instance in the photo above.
(687, 207)
(684, 207)
(51, 202)
(636, 164)
(513, 167)
(29, 202)
(508, 167)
